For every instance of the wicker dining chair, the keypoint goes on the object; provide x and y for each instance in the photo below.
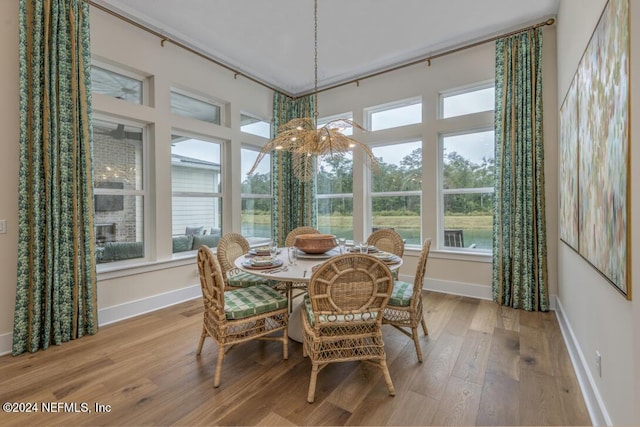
(388, 240)
(404, 310)
(342, 314)
(230, 247)
(235, 316)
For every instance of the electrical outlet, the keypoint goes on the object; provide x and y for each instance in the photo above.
(598, 363)
(3, 226)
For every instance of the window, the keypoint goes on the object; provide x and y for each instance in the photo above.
(347, 130)
(199, 109)
(335, 195)
(196, 188)
(119, 190)
(256, 197)
(254, 126)
(397, 188)
(116, 85)
(393, 115)
(467, 101)
(467, 190)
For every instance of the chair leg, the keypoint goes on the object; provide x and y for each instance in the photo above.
(216, 380)
(203, 335)
(285, 342)
(424, 326)
(416, 341)
(312, 384)
(387, 377)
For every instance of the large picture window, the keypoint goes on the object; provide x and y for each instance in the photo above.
(256, 197)
(467, 190)
(196, 187)
(119, 190)
(335, 195)
(397, 189)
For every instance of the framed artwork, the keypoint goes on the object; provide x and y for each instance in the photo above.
(594, 151)
(568, 175)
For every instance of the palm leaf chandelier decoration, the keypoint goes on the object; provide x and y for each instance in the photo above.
(305, 141)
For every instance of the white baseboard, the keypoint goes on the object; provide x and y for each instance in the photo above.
(457, 288)
(6, 343)
(145, 305)
(593, 400)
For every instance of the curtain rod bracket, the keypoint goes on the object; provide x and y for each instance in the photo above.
(163, 41)
(429, 62)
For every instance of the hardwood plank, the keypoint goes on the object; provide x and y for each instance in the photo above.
(485, 317)
(500, 401)
(273, 419)
(437, 310)
(414, 409)
(472, 362)
(504, 354)
(535, 353)
(508, 318)
(459, 404)
(432, 380)
(463, 312)
(539, 400)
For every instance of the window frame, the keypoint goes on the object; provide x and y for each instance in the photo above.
(126, 72)
(256, 196)
(460, 90)
(145, 192)
(202, 98)
(370, 111)
(442, 191)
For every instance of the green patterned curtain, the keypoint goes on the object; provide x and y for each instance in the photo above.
(519, 238)
(293, 201)
(56, 287)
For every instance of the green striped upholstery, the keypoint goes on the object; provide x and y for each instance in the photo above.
(242, 279)
(245, 302)
(341, 318)
(401, 294)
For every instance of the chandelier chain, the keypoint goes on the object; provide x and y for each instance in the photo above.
(315, 58)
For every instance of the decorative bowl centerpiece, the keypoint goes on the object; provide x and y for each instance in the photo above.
(315, 243)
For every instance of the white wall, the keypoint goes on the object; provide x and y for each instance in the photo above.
(599, 316)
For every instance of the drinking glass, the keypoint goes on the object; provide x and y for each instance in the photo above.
(342, 242)
(293, 255)
(364, 248)
(273, 249)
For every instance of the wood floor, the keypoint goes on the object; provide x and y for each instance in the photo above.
(483, 365)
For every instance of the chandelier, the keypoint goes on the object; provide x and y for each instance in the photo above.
(305, 141)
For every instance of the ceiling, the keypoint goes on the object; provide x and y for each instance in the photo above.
(272, 40)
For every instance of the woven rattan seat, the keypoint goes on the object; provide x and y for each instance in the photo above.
(342, 314)
(230, 247)
(235, 316)
(404, 309)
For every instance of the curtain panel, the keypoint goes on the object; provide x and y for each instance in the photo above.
(519, 237)
(293, 201)
(56, 283)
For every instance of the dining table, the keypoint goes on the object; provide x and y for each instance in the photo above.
(299, 271)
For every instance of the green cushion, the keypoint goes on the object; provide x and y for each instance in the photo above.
(242, 279)
(401, 294)
(207, 240)
(341, 318)
(241, 303)
(114, 251)
(182, 243)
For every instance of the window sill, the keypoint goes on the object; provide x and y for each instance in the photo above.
(124, 269)
(458, 255)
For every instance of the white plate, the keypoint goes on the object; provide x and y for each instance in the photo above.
(326, 255)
